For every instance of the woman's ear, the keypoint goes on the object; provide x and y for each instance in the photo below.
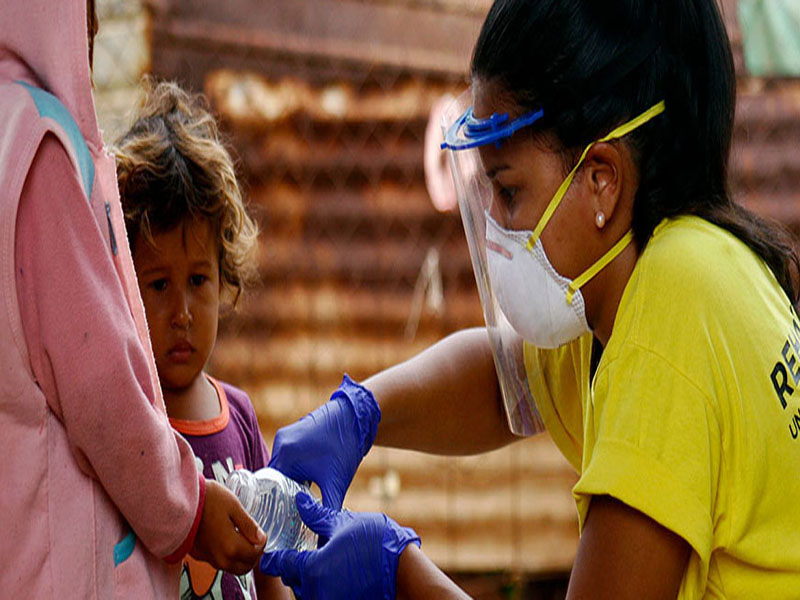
(604, 171)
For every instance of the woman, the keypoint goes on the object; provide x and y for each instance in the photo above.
(662, 349)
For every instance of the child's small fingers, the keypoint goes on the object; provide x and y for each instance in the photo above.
(242, 557)
(245, 525)
(240, 567)
(250, 531)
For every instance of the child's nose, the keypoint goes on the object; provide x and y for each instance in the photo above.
(182, 316)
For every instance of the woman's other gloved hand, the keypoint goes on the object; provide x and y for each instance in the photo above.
(358, 561)
(327, 445)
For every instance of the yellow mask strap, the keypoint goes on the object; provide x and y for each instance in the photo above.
(619, 132)
(589, 273)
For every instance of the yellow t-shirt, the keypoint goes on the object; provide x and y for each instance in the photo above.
(692, 417)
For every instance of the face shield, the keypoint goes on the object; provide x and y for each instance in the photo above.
(522, 294)
(463, 135)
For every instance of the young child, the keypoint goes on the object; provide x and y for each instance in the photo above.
(191, 241)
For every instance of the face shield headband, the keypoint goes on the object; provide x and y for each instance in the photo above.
(468, 132)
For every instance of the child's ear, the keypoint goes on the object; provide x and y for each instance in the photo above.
(226, 309)
(227, 300)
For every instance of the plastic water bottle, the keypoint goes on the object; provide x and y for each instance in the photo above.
(268, 496)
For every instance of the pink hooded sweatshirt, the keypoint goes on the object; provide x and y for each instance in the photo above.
(99, 498)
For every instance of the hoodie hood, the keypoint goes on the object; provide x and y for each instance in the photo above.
(45, 43)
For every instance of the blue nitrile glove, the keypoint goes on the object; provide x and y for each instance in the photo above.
(359, 561)
(327, 445)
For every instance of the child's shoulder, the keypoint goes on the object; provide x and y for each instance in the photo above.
(238, 400)
(244, 416)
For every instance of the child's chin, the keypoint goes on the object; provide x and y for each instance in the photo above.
(178, 377)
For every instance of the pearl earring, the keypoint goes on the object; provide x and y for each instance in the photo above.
(600, 220)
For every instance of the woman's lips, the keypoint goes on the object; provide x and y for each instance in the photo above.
(181, 352)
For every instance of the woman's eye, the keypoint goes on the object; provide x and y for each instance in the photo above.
(159, 285)
(198, 280)
(507, 195)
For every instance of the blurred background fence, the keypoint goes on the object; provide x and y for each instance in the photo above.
(326, 103)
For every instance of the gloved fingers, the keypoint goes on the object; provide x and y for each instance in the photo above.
(282, 452)
(320, 519)
(288, 467)
(286, 564)
(332, 496)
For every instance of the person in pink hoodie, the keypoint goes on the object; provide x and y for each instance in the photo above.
(100, 497)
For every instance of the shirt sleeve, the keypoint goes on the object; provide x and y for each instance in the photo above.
(558, 379)
(655, 446)
(90, 364)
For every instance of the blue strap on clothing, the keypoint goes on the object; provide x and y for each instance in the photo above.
(124, 549)
(51, 107)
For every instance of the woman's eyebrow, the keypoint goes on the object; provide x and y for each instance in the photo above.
(492, 173)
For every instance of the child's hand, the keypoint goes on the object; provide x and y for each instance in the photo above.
(227, 537)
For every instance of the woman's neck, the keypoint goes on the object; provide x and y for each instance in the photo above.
(196, 402)
(604, 293)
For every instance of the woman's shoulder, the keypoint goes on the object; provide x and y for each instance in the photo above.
(693, 265)
(694, 277)
(689, 246)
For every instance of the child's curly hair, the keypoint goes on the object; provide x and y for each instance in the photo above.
(173, 166)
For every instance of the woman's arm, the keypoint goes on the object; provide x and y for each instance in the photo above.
(419, 579)
(270, 588)
(445, 400)
(367, 555)
(624, 554)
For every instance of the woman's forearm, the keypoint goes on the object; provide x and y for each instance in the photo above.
(419, 579)
(445, 400)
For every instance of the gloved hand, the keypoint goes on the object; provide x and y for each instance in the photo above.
(327, 445)
(358, 561)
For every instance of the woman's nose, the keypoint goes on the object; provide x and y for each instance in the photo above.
(496, 211)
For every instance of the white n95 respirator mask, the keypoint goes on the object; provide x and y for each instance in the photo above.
(529, 291)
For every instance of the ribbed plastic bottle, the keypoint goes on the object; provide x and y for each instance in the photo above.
(268, 496)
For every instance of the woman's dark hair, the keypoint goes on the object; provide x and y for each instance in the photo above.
(594, 65)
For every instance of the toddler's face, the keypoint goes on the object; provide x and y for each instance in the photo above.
(180, 286)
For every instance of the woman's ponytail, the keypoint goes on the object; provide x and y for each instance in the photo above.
(702, 94)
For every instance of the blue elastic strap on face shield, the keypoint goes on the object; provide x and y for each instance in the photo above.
(468, 132)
